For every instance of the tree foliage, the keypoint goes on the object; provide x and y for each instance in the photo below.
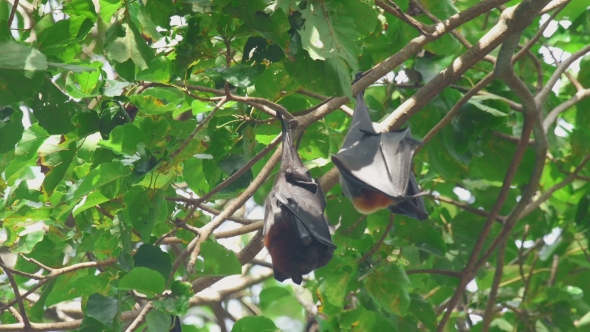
(132, 134)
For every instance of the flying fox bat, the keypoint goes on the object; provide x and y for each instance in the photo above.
(295, 230)
(376, 168)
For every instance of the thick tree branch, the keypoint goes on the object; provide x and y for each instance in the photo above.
(512, 21)
(413, 47)
(206, 230)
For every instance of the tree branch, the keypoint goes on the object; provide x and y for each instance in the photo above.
(552, 116)
(393, 9)
(487, 317)
(19, 299)
(542, 96)
(137, 321)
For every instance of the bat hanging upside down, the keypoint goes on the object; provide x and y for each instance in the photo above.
(296, 232)
(376, 168)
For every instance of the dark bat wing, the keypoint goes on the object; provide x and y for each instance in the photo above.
(381, 161)
(308, 209)
(411, 207)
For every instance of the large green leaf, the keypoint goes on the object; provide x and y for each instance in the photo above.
(145, 209)
(103, 309)
(101, 176)
(253, 323)
(153, 258)
(330, 32)
(143, 280)
(389, 287)
(218, 261)
(11, 129)
(124, 42)
(18, 56)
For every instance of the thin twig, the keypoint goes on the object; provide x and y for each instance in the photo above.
(393, 9)
(240, 230)
(380, 241)
(137, 321)
(487, 317)
(554, 264)
(18, 297)
(467, 207)
(435, 271)
(12, 13)
(198, 128)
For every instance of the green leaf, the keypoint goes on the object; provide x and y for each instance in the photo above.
(108, 8)
(159, 11)
(61, 162)
(143, 280)
(158, 321)
(56, 38)
(319, 76)
(62, 287)
(27, 242)
(192, 172)
(423, 311)
(389, 286)
(485, 108)
(145, 210)
(11, 128)
(330, 32)
(273, 27)
(254, 324)
(365, 16)
(85, 84)
(275, 82)
(88, 285)
(81, 8)
(100, 176)
(153, 258)
(92, 200)
(27, 214)
(218, 261)
(21, 57)
(269, 296)
(54, 111)
(332, 287)
(19, 85)
(582, 210)
(152, 105)
(124, 42)
(240, 75)
(124, 139)
(159, 70)
(103, 309)
(182, 292)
